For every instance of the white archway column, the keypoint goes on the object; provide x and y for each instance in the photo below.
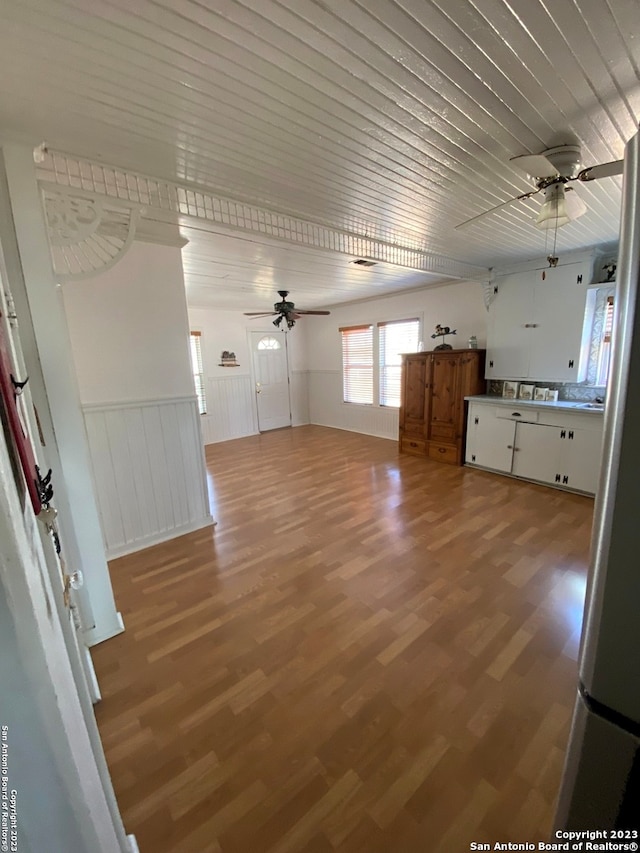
(45, 340)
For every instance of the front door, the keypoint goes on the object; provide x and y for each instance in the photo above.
(271, 372)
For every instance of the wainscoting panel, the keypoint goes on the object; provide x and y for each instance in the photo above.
(230, 408)
(299, 397)
(326, 408)
(149, 472)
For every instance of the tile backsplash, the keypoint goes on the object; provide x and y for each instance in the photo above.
(566, 390)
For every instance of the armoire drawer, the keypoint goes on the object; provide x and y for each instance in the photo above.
(416, 446)
(444, 452)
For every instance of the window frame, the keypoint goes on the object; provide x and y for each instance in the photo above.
(595, 352)
(345, 330)
(375, 327)
(195, 344)
(383, 366)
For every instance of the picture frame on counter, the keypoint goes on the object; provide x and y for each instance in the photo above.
(540, 394)
(510, 389)
(526, 391)
(552, 395)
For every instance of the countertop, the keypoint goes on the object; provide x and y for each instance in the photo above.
(560, 405)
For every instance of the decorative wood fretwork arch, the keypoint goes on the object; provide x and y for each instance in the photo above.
(88, 233)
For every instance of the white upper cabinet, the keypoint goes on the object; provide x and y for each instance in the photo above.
(508, 335)
(535, 324)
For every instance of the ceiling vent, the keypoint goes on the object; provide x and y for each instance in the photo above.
(361, 262)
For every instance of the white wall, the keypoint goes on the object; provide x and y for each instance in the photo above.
(130, 342)
(231, 407)
(128, 328)
(459, 305)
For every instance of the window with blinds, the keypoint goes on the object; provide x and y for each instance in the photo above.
(394, 338)
(604, 354)
(608, 320)
(198, 373)
(357, 364)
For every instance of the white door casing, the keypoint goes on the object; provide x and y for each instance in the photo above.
(271, 379)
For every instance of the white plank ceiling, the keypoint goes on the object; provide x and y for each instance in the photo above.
(393, 119)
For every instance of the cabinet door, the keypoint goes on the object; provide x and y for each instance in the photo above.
(537, 452)
(558, 313)
(471, 379)
(489, 439)
(582, 456)
(413, 414)
(510, 327)
(446, 400)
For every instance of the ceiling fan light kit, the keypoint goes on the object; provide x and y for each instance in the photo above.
(561, 205)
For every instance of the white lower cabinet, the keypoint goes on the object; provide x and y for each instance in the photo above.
(557, 448)
(582, 461)
(537, 452)
(489, 440)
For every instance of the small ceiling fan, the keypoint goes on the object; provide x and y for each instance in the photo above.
(553, 171)
(285, 311)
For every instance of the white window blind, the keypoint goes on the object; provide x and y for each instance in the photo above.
(608, 320)
(198, 373)
(357, 364)
(604, 354)
(395, 338)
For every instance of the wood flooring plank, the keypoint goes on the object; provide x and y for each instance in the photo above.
(392, 801)
(335, 799)
(367, 653)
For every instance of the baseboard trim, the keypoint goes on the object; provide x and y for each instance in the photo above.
(93, 636)
(92, 678)
(158, 538)
(357, 431)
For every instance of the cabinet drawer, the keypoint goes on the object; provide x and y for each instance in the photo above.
(444, 452)
(525, 415)
(413, 445)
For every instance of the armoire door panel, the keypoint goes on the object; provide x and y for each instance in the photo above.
(444, 402)
(416, 372)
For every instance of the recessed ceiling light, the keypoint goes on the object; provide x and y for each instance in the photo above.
(361, 262)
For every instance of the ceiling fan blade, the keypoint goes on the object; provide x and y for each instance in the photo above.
(536, 165)
(493, 209)
(300, 311)
(259, 313)
(604, 170)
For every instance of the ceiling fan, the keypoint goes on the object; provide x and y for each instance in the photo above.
(553, 171)
(284, 310)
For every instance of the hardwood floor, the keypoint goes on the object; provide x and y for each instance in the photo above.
(370, 652)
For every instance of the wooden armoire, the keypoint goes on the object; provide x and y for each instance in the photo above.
(432, 408)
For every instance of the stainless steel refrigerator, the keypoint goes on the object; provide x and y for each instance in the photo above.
(601, 783)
